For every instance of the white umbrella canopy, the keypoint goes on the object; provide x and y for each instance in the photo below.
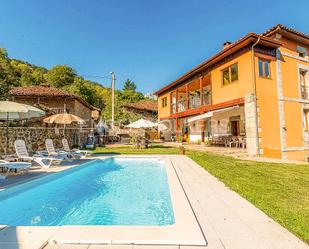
(13, 110)
(63, 118)
(10, 110)
(162, 127)
(142, 123)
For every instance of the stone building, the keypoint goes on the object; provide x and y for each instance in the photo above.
(54, 100)
(148, 109)
(253, 91)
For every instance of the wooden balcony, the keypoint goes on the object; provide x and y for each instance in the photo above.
(192, 95)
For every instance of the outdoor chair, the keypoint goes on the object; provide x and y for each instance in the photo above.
(22, 154)
(53, 153)
(75, 152)
(242, 142)
(233, 141)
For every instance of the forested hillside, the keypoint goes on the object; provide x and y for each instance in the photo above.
(15, 73)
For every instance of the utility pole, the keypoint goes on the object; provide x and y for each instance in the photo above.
(113, 97)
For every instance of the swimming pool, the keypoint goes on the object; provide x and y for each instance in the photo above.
(114, 191)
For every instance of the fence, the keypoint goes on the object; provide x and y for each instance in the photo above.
(35, 137)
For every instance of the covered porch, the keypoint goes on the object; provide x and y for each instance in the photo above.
(223, 127)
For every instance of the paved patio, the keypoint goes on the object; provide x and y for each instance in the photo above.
(234, 152)
(227, 220)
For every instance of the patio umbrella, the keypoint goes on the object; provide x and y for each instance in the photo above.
(12, 110)
(63, 118)
(142, 123)
(161, 127)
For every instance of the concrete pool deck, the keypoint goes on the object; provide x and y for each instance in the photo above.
(227, 220)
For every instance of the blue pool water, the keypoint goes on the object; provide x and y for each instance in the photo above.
(115, 191)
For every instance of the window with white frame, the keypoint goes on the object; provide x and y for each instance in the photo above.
(306, 120)
(303, 74)
(302, 52)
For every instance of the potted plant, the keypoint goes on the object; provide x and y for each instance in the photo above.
(182, 150)
(180, 139)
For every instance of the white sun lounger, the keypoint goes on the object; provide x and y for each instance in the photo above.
(52, 152)
(22, 153)
(75, 153)
(19, 166)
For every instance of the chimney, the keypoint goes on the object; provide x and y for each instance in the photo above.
(226, 44)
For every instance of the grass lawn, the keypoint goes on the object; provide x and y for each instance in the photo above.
(280, 190)
(156, 149)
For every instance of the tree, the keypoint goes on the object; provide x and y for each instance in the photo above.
(7, 75)
(38, 76)
(129, 86)
(60, 76)
(14, 72)
(130, 96)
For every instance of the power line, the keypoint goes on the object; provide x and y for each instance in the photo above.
(96, 76)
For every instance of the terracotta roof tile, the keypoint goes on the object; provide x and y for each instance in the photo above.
(221, 54)
(47, 91)
(39, 91)
(282, 27)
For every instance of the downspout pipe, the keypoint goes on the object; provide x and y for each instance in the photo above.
(255, 98)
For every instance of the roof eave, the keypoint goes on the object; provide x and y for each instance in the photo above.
(249, 38)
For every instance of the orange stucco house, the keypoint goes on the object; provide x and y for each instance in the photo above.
(256, 88)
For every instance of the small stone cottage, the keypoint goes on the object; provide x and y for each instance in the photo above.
(148, 109)
(54, 100)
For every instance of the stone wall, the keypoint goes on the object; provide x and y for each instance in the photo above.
(251, 125)
(35, 137)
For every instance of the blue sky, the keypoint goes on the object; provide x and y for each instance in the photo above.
(150, 42)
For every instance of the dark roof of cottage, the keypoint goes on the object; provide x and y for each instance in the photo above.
(147, 105)
(40, 91)
(47, 91)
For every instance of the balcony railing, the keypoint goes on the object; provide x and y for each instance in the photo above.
(304, 92)
(174, 108)
(181, 105)
(206, 98)
(59, 110)
(195, 102)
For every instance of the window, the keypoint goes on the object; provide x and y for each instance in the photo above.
(302, 52)
(303, 74)
(303, 84)
(264, 68)
(306, 120)
(164, 102)
(230, 74)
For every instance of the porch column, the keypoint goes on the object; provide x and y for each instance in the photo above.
(187, 97)
(176, 100)
(176, 124)
(202, 130)
(171, 102)
(201, 91)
